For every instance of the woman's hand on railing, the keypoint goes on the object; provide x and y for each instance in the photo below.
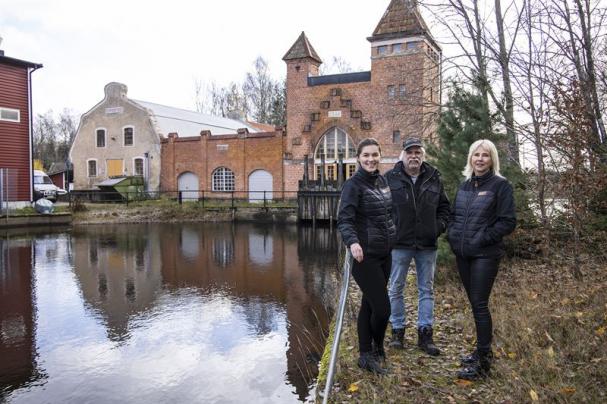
(357, 252)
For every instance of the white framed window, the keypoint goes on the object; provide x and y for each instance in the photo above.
(138, 166)
(402, 91)
(91, 167)
(382, 50)
(391, 91)
(100, 137)
(10, 114)
(223, 180)
(397, 48)
(128, 136)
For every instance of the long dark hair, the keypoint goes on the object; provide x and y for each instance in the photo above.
(367, 142)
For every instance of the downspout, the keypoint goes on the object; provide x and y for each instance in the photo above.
(31, 126)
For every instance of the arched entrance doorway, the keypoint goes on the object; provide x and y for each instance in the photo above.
(187, 183)
(333, 145)
(260, 181)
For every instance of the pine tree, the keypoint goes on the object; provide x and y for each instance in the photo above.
(465, 119)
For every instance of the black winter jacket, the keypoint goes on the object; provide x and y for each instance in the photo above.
(483, 213)
(365, 213)
(421, 210)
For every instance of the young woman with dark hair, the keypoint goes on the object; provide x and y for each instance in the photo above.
(365, 223)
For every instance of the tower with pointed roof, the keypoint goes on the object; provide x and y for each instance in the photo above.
(399, 97)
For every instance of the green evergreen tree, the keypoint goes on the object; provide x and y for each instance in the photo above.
(465, 119)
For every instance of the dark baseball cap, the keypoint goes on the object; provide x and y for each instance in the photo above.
(412, 142)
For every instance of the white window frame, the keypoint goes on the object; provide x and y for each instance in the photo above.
(142, 166)
(123, 135)
(2, 109)
(88, 174)
(224, 180)
(104, 138)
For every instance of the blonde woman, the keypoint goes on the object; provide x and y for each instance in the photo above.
(483, 214)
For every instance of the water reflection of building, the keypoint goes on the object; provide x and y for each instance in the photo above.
(118, 270)
(259, 264)
(17, 317)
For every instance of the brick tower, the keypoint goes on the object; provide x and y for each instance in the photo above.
(328, 115)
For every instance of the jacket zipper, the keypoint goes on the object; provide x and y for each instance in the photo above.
(468, 202)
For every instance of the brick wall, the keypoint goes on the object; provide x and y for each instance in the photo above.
(242, 153)
(412, 114)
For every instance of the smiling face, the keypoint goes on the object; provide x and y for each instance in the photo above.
(413, 158)
(369, 158)
(481, 161)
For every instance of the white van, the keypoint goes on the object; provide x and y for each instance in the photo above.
(44, 187)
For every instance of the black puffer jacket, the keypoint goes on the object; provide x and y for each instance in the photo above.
(483, 213)
(420, 210)
(365, 213)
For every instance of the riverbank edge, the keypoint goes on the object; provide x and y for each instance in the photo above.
(121, 214)
(31, 220)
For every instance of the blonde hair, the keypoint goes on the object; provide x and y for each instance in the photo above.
(489, 146)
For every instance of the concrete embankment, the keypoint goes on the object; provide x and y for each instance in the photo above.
(103, 214)
(57, 219)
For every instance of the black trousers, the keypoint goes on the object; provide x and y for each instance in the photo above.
(478, 275)
(372, 275)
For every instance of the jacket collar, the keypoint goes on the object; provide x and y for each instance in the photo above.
(480, 180)
(367, 176)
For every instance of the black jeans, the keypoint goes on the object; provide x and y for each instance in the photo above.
(477, 275)
(372, 275)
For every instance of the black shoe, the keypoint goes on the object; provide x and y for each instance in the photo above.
(398, 336)
(479, 369)
(368, 361)
(469, 359)
(425, 341)
(379, 352)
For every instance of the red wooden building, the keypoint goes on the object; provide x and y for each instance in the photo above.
(16, 129)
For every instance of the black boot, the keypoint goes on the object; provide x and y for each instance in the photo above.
(425, 341)
(398, 336)
(478, 369)
(368, 361)
(469, 359)
(379, 352)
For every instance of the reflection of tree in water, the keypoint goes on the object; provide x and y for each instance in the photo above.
(261, 315)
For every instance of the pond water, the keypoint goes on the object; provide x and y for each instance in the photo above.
(164, 313)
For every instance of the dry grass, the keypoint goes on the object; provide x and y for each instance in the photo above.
(550, 342)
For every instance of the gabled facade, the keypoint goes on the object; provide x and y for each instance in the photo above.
(399, 97)
(16, 130)
(122, 137)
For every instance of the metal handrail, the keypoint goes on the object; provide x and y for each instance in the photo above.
(343, 297)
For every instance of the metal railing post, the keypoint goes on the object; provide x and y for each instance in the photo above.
(179, 197)
(264, 199)
(232, 199)
(339, 319)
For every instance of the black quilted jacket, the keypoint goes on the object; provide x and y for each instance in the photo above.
(483, 213)
(365, 213)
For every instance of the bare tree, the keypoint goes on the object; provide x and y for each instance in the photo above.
(258, 89)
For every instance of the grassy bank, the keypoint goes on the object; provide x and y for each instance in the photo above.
(167, 211)
(550, 341)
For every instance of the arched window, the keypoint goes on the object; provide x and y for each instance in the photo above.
(223, 180)
(334, 145)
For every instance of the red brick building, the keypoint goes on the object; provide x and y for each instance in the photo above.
(224, 163)
(328, 115)
(16, 130)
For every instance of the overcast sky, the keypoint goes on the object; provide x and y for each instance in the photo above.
(158, 48)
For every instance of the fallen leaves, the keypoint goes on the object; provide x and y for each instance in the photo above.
(600, 331)
(463, 383)
(353, 387)
(568, 390)
(533, 395)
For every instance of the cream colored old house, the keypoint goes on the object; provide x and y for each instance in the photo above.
(121, 137)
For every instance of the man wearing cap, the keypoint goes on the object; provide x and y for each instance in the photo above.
(421, 211)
